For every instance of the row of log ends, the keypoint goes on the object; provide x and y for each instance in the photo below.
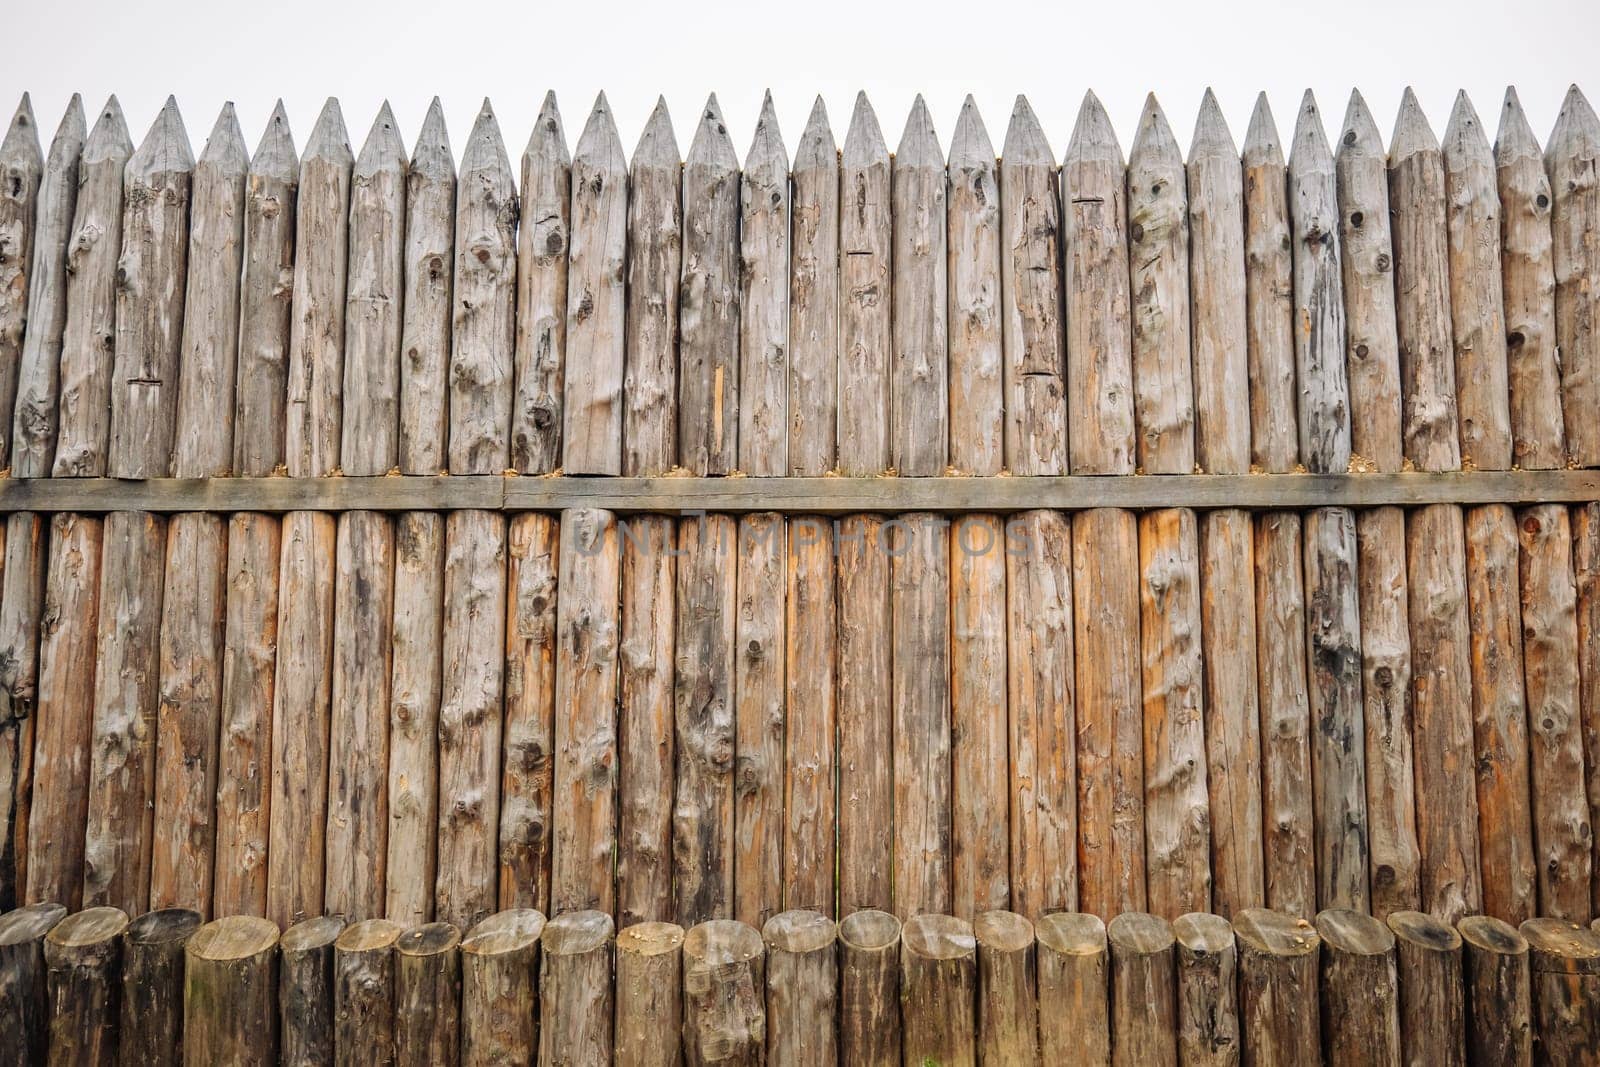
(93, 987)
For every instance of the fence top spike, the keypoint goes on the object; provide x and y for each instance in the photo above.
(658, 143)
(711, 145)
(1154, 143)
(919, 143)
(1092, 135)
(1360, 136)
(329, 140)
(21, 144)
(1577, 130)
(383, 150)
(274, 155)
(548, 141)
(225, 150)
(863, 142)
(1211, 134)
(1515, 138)
(1412, 134)
(432, 157)
(599, 146)
(766, 147)
(970, 146)
(109, 139)
(166, 147)
(816, 149)
(1463, 134)
(1261, 147)
(1310, 148)
(486, 149)
(1025, 138)
(67, 141)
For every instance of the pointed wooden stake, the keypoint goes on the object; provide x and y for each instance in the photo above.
(655, 266)
(1570, 158)
(21, 169)
(764, 301)
(425, 330)
(542, 241)
(814, 298)
(865, 249)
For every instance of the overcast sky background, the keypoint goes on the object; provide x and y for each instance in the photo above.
(209, 51)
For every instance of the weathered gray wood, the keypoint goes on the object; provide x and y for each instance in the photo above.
(649, 991)
(1074, 989)
(21, 604)
(814, 298)
(802, 989)
(24, 989)
(865, 296)
(1217, 299)
(316, 328)
(575, 991)
(265, 300)
(1269, 296)
(88, 344)
(541, 343)
(764, 217)
(1570, 157)
(1208, 990)
(649, 424)
(430, 232)
(919, 419)
(974, 281)
(645, 728)
(810, 737)
(760, 719)
(708, 301)
(414, 695)
(483, 327)
(591, 437)
(21, 171)
(32, 438)
(374, 292)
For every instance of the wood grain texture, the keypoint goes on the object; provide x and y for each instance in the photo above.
(646, 730)
(1586, 573)
(724, 994)
(21, 603)
(1217, 294)
(1359, 990)
(919, 413)
(866, 249)
(22, 170)
(764, 216)
(649, 991)
(811, 655)
(499, 962)
(305, 990)
(1269, 295)
(760, 720)
(1278, 1001)
(939, 990)
(364, 1022)
(541, 342)
(1208, 990)
(814, 299)
(230, 992)
(430, 231)
(575, 990)
(1495, 970)
(973, 282)
(1432, 1005)
(1569, 159)
(1144, 990)
(1074, 990)
(869, 988)
(979, 727)
(802, 989)
(649, 423)
(866, 821)
(708, 301)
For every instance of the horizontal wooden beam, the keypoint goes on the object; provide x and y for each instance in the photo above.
(823, 496)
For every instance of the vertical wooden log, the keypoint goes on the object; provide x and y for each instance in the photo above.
(499, 957)
(802, 989)
(1033, 366)
(64, 715)
(973, 271)
(364, 1008)
(1074, 991)
(1499, 1011)
(724, 988)
(483, 326)
(1586, 571)
(21, 596)
(814, 297)
(301, 696)
(427, 996)
(373, 302)
(1564, 959)
(939, 990)
(866, 245)
(980, 790)
(764, 215)
(866, 821)
(1569, 159)
(645, 728)
(649, 991)
(703, 711)
(810, 631)
(1357, 987)
(1269, 295)
(919, 421)
(575, 991)
(150, 1030)
(76, 433)
(1008, 1015)
(708, 299)
(1144, 990)
(316, 340)
(869, 989)
(430, 232)
(1432, 1001)
(230, 991)
(83, 957)
(1277, 987)
(541, 341)
(759, 722)
(470, 716)
(527, 784)
(266, 292)
(22, 167)
(305, 991)
(1208, 990)
(356, 841)
(24, 990)
(586, 719)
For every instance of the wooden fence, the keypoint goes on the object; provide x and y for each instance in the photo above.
(1267, 988)
(936, 534)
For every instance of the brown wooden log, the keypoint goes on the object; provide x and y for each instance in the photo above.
(575, 992)
(802, 989)
(1564, 961)
(919, 407)
(810, 735)
(1269, 295)
(21, 600)
(764, 217)
(1217, 293)
(1357, 987)
(866, 822)
(427, 996)
(1144, 990)
(1008, 1013)
(866, 246)
(1208, 990)
(708, 301)
(1570, 155)
(1277, 987)
(646, 735)
(1586, 572)
(499, 957)
(430, 231)
(649, 415)
(1074, 989)
(527, 783)
(22, 165)
(230, 989)
(414, 694)
(1432, 1001)
(869, 989)
(814, 297)
(759, 719)
(83, 957)
(939, 990)
(980, 790)
(541, 344)
(24, 990)
(724, 989)
(649, 995)
(364, 1002)
(151, 1013)
(1499, 1012)
(305, 991)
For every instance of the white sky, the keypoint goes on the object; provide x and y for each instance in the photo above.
(208, 51)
